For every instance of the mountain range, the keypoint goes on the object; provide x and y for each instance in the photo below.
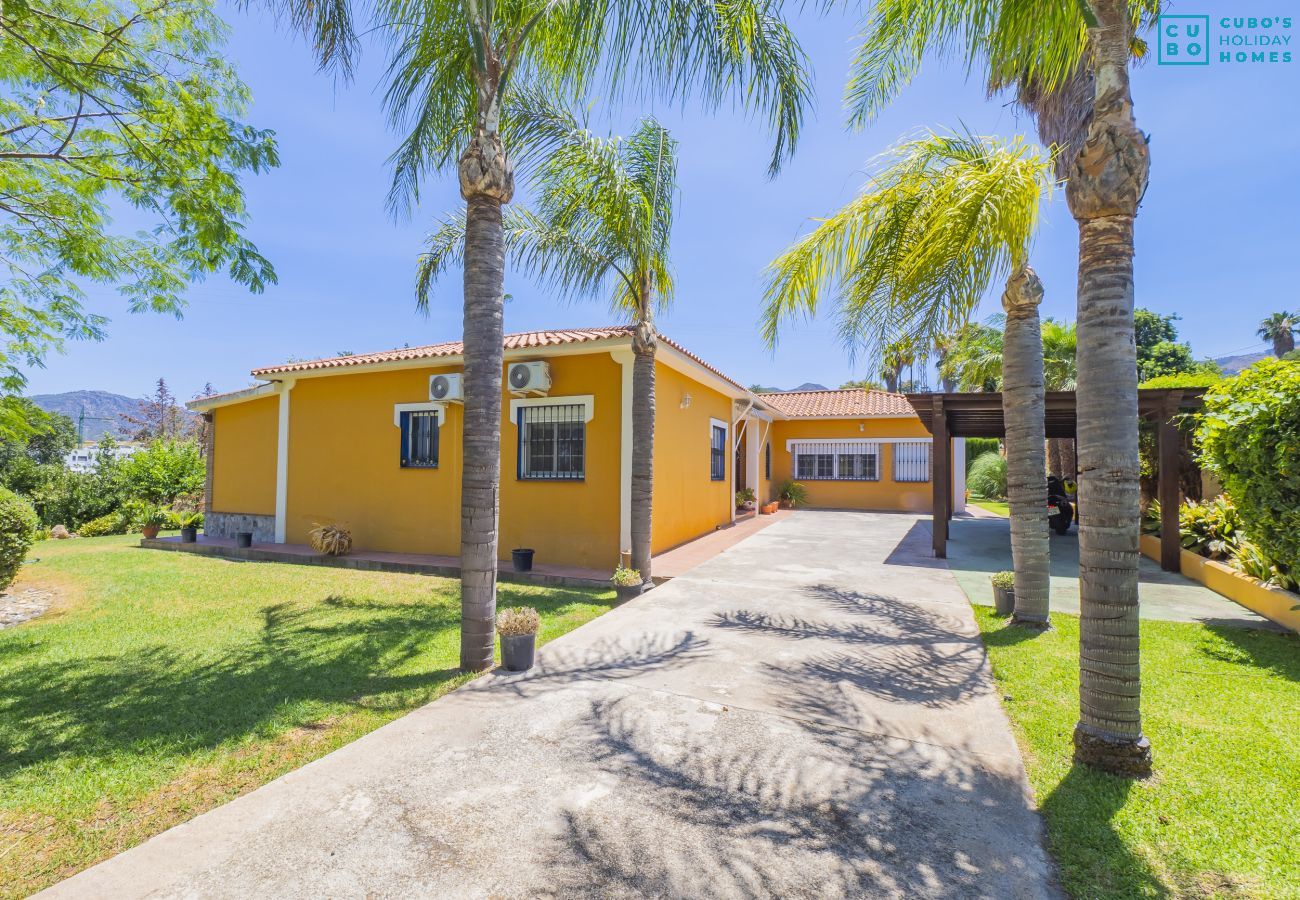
(102, 410)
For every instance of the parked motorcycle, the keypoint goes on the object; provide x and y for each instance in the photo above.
(1061, 502)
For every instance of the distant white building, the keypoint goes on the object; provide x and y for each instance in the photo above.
(85, 456)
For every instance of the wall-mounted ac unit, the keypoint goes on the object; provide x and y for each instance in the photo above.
(447, 388)
(529, 377)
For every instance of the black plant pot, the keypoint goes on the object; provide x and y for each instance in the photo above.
(243, 539)
(189, 534)
(627, 591)
(1004, 600)
(517, 650)
(522, 557)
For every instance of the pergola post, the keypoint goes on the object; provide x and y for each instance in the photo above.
(941, 479)
(1169, 446)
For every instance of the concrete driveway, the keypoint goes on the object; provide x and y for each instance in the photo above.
(808, 714)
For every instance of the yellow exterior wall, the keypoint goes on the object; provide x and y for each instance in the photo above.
(687, 503)
(885, 494)
(344, 455)
(244, 439)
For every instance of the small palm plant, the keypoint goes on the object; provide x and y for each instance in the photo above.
(909, 260)
(601, 228)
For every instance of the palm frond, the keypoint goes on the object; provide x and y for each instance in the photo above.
(910, 257)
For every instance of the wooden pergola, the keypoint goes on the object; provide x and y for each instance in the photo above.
(948, 416)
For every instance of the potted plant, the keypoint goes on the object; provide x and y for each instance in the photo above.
(745, 498)
(522, 559)
(332, 540)
(190, 525)
(518, 627)
(627, 583)
(768, 508)
(792, 494)
(153, 520)
(1004, 592)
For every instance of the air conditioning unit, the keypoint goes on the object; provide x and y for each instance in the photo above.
(530, 377)
(447, 388)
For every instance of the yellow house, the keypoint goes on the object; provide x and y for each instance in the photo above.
(373, 442)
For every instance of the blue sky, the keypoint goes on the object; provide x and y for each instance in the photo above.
(1217, 236)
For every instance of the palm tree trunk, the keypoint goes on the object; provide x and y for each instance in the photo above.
(1022, 410)
(1105, 186)
(643, 439)
(1056, 457)
(486, 182)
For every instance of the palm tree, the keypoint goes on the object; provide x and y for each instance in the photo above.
(452, 68)
(1280, 328)
(1105, 186)
(909, 258)
(602, 226)
(1060, 373)
(893, 360)
(1068, 63)
(974, 358)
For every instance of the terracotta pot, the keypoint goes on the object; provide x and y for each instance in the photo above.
(150, 531)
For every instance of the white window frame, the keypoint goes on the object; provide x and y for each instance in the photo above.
(726, 446)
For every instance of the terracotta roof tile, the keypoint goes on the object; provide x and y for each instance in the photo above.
(853, 402)
(522, 341)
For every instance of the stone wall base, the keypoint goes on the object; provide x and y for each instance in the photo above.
(227, 525)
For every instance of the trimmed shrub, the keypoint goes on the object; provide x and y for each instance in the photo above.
(1250, 439)
(113, 523)
(977, 447)
(18, 524)
(987, 478)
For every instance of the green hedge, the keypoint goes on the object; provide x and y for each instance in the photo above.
(1250, 439)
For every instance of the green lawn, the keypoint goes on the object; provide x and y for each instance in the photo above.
(1221, 816)
(163, 684)
(994, 506)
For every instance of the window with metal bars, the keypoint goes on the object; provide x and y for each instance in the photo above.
(552, 443)
(718, 453)
(912, 461)
(419, 439)
(836, 461)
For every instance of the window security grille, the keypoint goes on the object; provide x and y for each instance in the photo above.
(836, 461)
(552, 443)
(420, 439)
(912, 461)
(718, 453)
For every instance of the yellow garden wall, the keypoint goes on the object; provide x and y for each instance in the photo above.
(687, 503)
(243, 457)
(885, 494)
(1271, 603)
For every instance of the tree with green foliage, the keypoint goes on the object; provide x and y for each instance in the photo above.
(453, 69)
(160, 417)
(910, 258)
(1280, 328)
(109, 105)
(1068, 65)
(32, 456)
(1159, 352)
(601, 227)
(1249, 434)
(862, 384)
(973, 361)
(161, 472)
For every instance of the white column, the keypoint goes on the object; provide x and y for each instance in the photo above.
(958, 475)
(753, 447)
(282, 463)
(625, 358)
